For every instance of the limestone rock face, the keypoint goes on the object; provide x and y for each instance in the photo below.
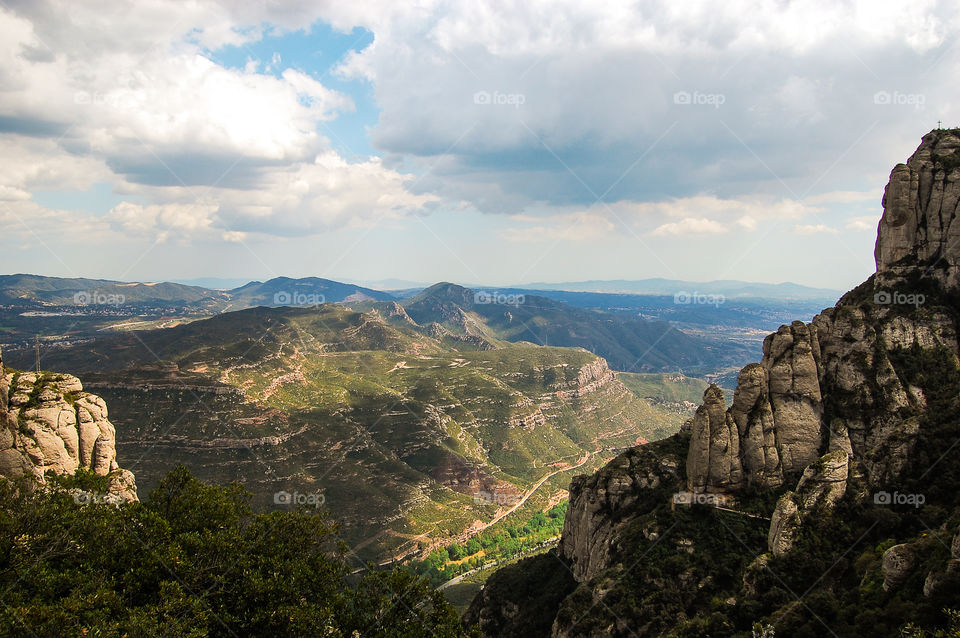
(920, 205)
(778, 406)
(49, 424)
(713, 461)
(599, 503)
(897, 564)
(774, 426)
(823, 484)
(838, 358)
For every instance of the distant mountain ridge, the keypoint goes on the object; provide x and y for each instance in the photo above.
(627, 342)
(657, 286)
(65, 291)
(279, 291)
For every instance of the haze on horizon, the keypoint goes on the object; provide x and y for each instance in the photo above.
(462, 141)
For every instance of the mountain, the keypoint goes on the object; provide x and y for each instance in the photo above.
(411, 435)
(215, 283)
(60, 291)
(627, 342)
(822, 500)
(280, 291)
(727, 287)
(308, 291)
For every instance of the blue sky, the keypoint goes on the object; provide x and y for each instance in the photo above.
(462, 141)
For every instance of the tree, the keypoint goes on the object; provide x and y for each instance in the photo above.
(193, 560)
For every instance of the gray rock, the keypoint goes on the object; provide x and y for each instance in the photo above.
(920, 206)
(822, 485)
(897, 565)
(601, 505)
(713, 460)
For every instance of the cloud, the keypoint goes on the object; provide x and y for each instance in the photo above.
(843, 197)
(814, 229)
(780, 96)
(137, 101)
(162, 221)
(864, 223)
(547, 107)
(577, 227)
(690, 226)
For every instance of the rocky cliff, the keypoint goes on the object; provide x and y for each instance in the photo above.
(49, 424)
(839, 413)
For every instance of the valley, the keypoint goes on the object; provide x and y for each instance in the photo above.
(413, 434)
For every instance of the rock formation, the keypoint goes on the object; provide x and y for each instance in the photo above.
(857, 401)
(49, 424)
(822, 485)
(779, 404)
(920, 204)
(589, 531)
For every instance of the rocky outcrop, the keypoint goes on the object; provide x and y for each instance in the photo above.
(49, 424)
(774, 427)
(598, 503)
(920, 206)
(590, 377)
(779, 404)
(822, 485)
(713, 461)
(860, 399)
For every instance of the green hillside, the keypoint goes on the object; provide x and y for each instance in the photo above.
(411, 438)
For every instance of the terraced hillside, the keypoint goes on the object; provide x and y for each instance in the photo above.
(412, 434)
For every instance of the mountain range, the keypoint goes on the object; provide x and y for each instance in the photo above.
(413, 432)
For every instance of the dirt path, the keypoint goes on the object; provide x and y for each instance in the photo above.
(531, 491)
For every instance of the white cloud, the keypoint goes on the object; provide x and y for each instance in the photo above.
(866, 222)
(599, 81)
(690, 225)
(814, 229)
(130, 99)
(578, 227)
(843, 197)
(162, 221)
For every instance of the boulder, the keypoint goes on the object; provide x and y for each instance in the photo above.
(897, 565)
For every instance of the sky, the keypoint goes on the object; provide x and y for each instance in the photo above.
(482, 142)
